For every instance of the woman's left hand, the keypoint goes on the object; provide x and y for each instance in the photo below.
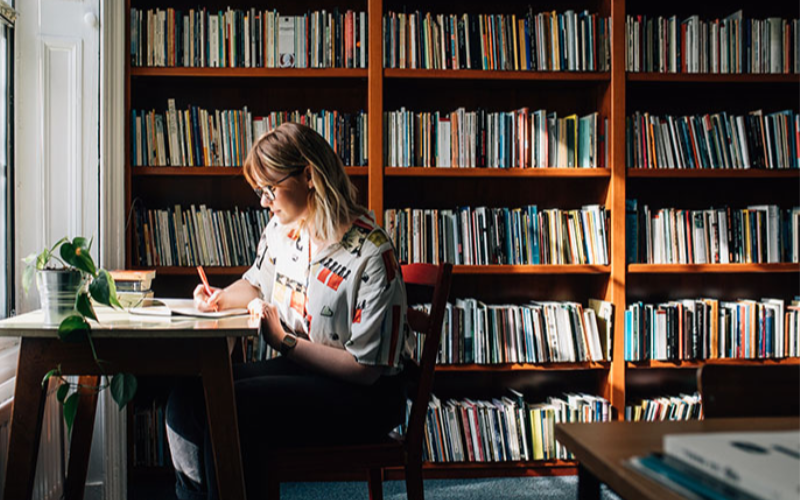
(273, 333)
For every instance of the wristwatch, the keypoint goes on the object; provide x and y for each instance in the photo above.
(287, 344)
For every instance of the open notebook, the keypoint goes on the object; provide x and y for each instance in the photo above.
(179, 307)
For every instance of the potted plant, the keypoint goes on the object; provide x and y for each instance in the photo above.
(68, 281)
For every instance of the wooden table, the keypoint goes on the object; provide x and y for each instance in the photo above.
(140, 345)
(602, 449)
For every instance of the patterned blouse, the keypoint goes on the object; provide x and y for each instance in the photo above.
(350, 295)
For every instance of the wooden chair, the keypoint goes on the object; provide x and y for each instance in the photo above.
(369, 460)
(749, 391)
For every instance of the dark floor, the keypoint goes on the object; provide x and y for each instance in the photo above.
(538, 488)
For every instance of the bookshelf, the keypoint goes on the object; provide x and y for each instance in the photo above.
(614, 94)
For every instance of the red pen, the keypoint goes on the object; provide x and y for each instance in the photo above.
(202, 274)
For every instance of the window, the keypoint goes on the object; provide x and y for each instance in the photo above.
(8, 347)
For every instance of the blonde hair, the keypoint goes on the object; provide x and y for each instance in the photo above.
(332, 201)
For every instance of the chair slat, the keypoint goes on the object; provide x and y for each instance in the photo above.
(749, 391)
(421, 274)
(419, 321)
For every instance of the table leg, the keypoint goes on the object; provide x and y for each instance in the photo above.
(222, 420)
(26, 423)
(588, 484)
(80, 444)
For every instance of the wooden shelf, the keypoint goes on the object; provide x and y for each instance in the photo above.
(249, 72)
(214, 171)
(378, 89)
(638, 365)
(501, 270)
(473, 74)
(602, 173)
(711, 78)
(192, 271)
(533, 269)
(516, 367)
(658, 173)
(712, 268)
(181, 171)
(490, 469)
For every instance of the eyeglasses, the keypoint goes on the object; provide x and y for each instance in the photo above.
(269, 191)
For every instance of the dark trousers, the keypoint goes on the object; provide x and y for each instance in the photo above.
(279, 404)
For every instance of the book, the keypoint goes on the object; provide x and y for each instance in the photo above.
(286, 41)
(133, 281)
(684, 479)
(180, 307)
(761, 464)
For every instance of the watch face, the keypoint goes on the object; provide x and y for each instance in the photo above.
(289, 340)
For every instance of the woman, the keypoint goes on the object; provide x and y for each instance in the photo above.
(329, 291)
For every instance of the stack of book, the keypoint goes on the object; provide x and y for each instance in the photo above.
(133, 286)
(736, 465)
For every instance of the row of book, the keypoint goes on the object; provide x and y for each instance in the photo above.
(733, 44)
(505, 429)
(193, 236)
(680, 407)
(716, 140)
(755, 234)
(486, 236)
(250, 38)
(150, 448)
(709, 328)
(507, 139)
(546, 41)
(222, 138)
(538, 332)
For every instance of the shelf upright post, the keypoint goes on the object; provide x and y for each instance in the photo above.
(375, 108)
(615, 392)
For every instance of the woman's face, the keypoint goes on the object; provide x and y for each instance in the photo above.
(290, 202)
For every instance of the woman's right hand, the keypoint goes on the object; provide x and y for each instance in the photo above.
(208, 303)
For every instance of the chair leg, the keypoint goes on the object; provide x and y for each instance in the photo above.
(414, 488)
(273, 488)
(375, 480)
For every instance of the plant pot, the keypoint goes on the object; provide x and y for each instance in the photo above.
(58, 290)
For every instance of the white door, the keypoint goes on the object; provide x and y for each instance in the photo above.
(57, 176)
(57, 148)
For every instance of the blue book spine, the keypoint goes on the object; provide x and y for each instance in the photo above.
(628, 333)
(534, 233)
(508, 243)
(769, 334)
(631, 231)
(134, 140)
(528, 62)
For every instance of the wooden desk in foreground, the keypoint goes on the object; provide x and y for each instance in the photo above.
(140, 345)
(602, 449)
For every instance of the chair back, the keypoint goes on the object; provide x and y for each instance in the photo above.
(429, 324)
(749, 391)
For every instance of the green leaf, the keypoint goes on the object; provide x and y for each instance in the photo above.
(104, 290)
(51, 373)
(78, 256)
(57, 244)
(84, 305)
(123, 388)
(82, 242)
(27, 277)
(70, 410)
(73, 329)
(62, 392)
(42, 259)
